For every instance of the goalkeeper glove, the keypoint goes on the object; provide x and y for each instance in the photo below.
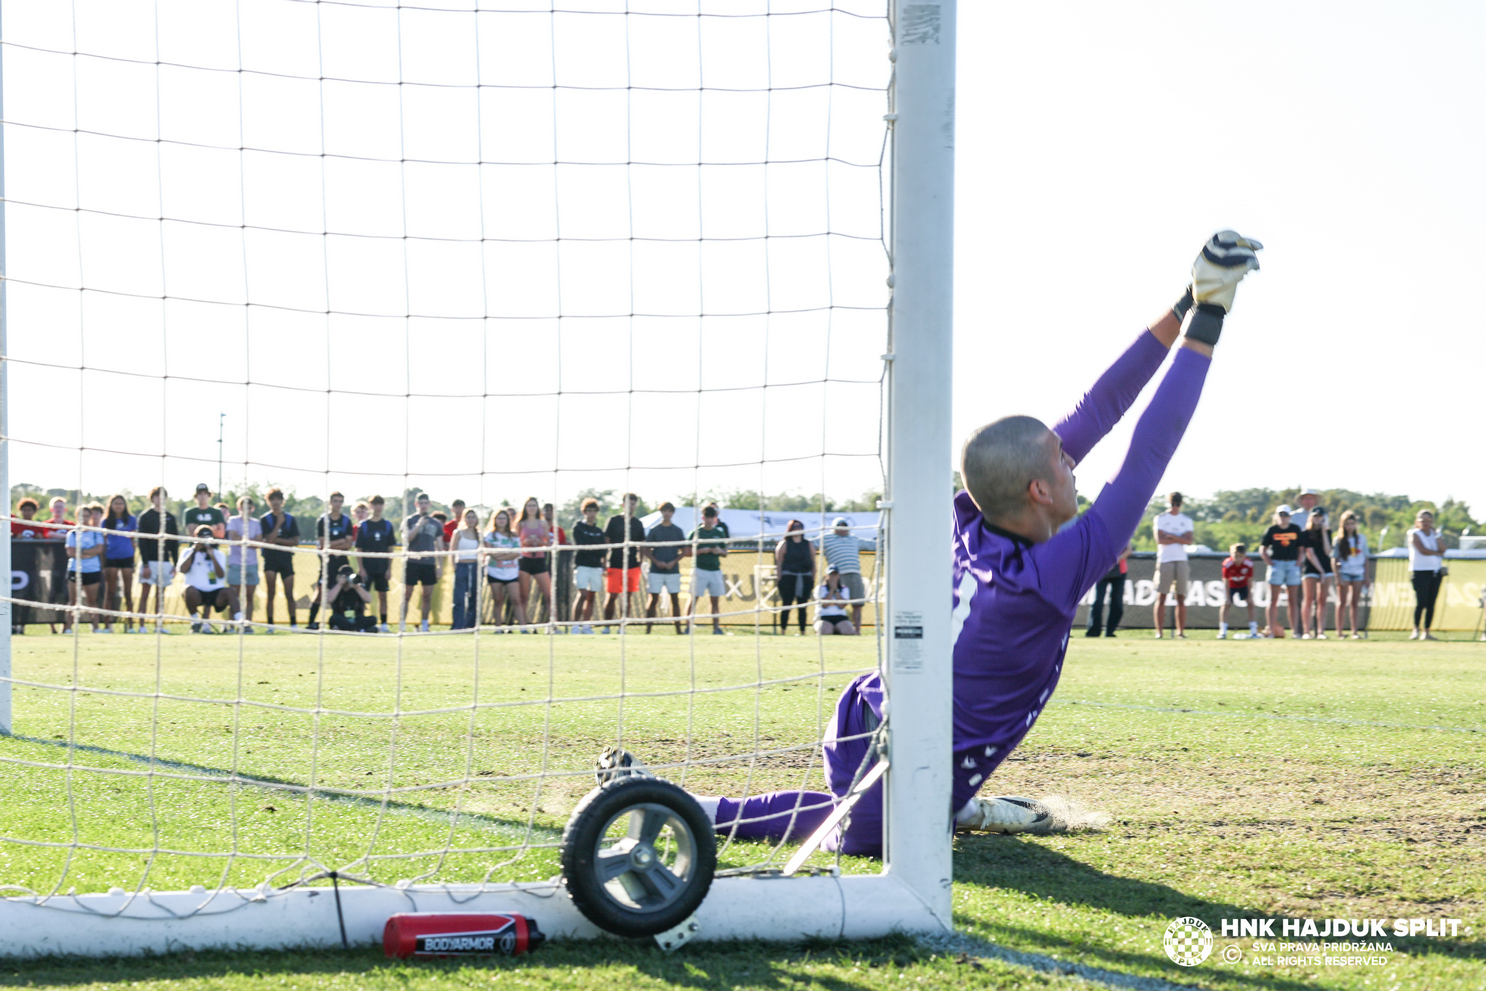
(1225, 259)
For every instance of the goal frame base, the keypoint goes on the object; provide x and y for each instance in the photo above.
(772, 908)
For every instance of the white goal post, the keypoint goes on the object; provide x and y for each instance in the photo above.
(913, 891)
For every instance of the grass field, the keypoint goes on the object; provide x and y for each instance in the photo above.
(1311, 780)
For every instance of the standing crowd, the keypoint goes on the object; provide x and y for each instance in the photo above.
(224, 556)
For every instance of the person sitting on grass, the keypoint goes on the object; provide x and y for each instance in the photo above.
(1018, 577)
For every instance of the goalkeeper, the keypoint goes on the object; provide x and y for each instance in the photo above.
(1017, 577)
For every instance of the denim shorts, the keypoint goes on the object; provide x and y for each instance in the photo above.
(238, 575)
(1345, 575)
(1284, 573)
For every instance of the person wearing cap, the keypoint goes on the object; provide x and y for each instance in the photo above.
(1307, 503)
(842, 550)
(205, 572)
(830, 610)
(708, 547)
(204, 513)
(1280, 549)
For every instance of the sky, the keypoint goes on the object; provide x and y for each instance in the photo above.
(1097, 147)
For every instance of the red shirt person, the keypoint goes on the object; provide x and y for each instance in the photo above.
(23, 528)
(1238, 578)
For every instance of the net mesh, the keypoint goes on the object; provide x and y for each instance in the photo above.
(492, 253)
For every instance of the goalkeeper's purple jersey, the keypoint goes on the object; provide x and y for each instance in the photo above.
(1014, 601)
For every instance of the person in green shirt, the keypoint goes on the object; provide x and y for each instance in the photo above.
(709, 546)
(205, 514)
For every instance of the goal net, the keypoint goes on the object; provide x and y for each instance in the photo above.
(332, 267)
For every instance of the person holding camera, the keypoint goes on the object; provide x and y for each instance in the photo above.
(205, 572)
(348, 601)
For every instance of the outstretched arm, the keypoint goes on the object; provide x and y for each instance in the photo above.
(1103, 405)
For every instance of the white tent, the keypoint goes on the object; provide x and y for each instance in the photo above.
(750, 524)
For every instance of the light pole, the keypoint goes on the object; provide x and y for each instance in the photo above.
(221, 420)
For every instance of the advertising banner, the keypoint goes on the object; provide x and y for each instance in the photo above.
(38, 574)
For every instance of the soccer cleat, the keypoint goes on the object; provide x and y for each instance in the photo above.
(1007, 814)
(616, 764)
(196, 626)
(383, 629)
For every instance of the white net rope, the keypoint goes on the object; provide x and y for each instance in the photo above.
(486, 252)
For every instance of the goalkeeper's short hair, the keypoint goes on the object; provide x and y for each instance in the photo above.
(1001, 459)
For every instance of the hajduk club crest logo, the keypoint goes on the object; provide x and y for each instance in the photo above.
(1188, 941)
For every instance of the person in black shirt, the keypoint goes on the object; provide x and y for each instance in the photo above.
(156, 553)
(623, 577)
(332, 532)
(588, 566)
(281, 529)
(1315, 568)
(376, 536)
(1280, 549)
(665, 564)
(348, 601)
(794, 574)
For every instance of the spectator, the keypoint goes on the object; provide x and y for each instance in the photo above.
(282, 530)
(1309, 501)
(794, 566)
(1238, 585)
(424, 539)
(205, 572)
(1426, 567)
(664, 551)
(562, 569)
(533, 532)
(242, 562)
(1174, 534)
(23, 528)
(348, 602)
(466, 547)
(359, 513)
(85, 548)
(1351, 571)
(843, 549)
(204, 513)
(623, 575)
(332, 533)
(830, 611)
(118, 562)
(1112, 588)
(1315, 568)
(157, 550)
(1280, 549)
(375, 537)
(452, 521)
(709, 546)
(502, 568)
(588, 566)
(59, 525)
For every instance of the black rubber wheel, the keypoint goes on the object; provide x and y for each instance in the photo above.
(638, 856)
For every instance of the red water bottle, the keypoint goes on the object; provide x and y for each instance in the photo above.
(449, 934)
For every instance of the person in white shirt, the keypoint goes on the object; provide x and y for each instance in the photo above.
(1426, 559)
(830, 612)
(205, 574)
(1173, 530)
